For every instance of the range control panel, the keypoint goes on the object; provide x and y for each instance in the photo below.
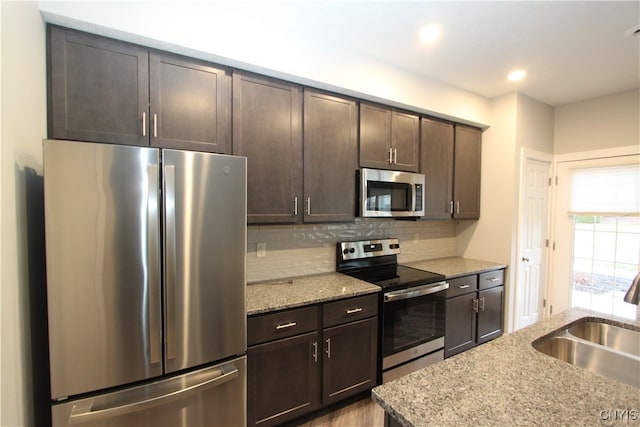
(368, 248)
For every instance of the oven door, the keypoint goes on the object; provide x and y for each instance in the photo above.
(413, 323)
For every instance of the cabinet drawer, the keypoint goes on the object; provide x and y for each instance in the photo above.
(491, 279)
(269, 327)
(462, 285)
(348, 310)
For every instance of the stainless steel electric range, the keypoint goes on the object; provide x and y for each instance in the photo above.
(412, 301)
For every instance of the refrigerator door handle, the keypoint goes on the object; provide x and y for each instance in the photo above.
(170, 258)
(153, 261)
(84, 413)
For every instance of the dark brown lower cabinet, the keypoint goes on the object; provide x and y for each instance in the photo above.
(490, 314)
(460, 324)
(304, 370)
(350, 357)
(283, 380)
(473, 316)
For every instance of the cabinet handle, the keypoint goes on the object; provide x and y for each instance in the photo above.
(395, 155)
(482, 303)
(495, 279)
(457, 206)
(155, 125)
(295, 206)
(463, 286)
(315, 351)
(286, 325)
(475, 305)
(144, 124)
(308, 205)
(328, 340)
(390, 155)
(451, 207)
(354, 310)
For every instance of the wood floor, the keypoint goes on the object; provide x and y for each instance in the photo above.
(362, 413)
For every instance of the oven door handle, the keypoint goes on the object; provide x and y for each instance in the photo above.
(415, 292)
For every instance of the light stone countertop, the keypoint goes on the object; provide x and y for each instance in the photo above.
(299, 291)
(455, 266)
(507, 382)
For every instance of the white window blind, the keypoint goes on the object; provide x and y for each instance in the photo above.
(610, 190)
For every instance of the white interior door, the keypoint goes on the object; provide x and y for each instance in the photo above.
(532, 238)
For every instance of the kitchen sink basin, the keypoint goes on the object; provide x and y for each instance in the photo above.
(598, 347)
(621, 339)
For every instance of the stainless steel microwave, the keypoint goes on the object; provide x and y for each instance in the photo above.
(386, 193)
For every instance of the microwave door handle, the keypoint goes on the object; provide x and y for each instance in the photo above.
(415, 292)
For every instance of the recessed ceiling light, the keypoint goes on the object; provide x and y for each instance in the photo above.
(428, 34)
(517, 75)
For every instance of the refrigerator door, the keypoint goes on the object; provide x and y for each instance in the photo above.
(204, 265)
(213, 396)
(103, 265)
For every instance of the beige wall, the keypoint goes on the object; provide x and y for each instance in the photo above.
(606, 122)
(23, 118)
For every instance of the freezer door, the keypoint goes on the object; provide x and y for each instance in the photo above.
(213, 396)
(204, 265)
(103, 265)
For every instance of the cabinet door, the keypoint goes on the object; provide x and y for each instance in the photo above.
(190, 103)
(436, 163)
(330, 157)
(283, 379)
(490, 314)
(375, 136)
(98, 89)
(466, 182)
(267, 129)
(405, 141)
(350, 358)
(460, 324)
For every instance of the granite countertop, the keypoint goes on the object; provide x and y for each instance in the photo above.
(508, 382)
(455, 266)
(305, 290)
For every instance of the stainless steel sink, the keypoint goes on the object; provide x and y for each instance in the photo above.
(621, 339)
(598, 347)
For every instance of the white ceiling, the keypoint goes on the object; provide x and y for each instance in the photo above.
(572, 50)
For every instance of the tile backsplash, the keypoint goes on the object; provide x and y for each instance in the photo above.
(297, 250)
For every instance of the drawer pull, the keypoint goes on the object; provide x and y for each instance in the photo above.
(493, 279)
(354, 310)
(463, 286)
(286, 325)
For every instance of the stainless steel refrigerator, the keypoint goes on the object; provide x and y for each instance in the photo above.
(145, 256)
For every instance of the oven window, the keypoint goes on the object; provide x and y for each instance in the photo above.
(412, 321)
(388, 196)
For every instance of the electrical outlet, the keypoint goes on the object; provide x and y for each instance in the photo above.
(261, 249)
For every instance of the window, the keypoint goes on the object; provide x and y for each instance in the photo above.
(606, 254)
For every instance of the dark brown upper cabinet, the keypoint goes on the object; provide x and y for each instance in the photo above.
(466, 172)
(98, 88)
(450, 159)
(267, 129)
(330, 157)
(190, 104)
(104, 90)
(436, 163)
(389, 139)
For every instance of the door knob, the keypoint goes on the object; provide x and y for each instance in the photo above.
(525, 259)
